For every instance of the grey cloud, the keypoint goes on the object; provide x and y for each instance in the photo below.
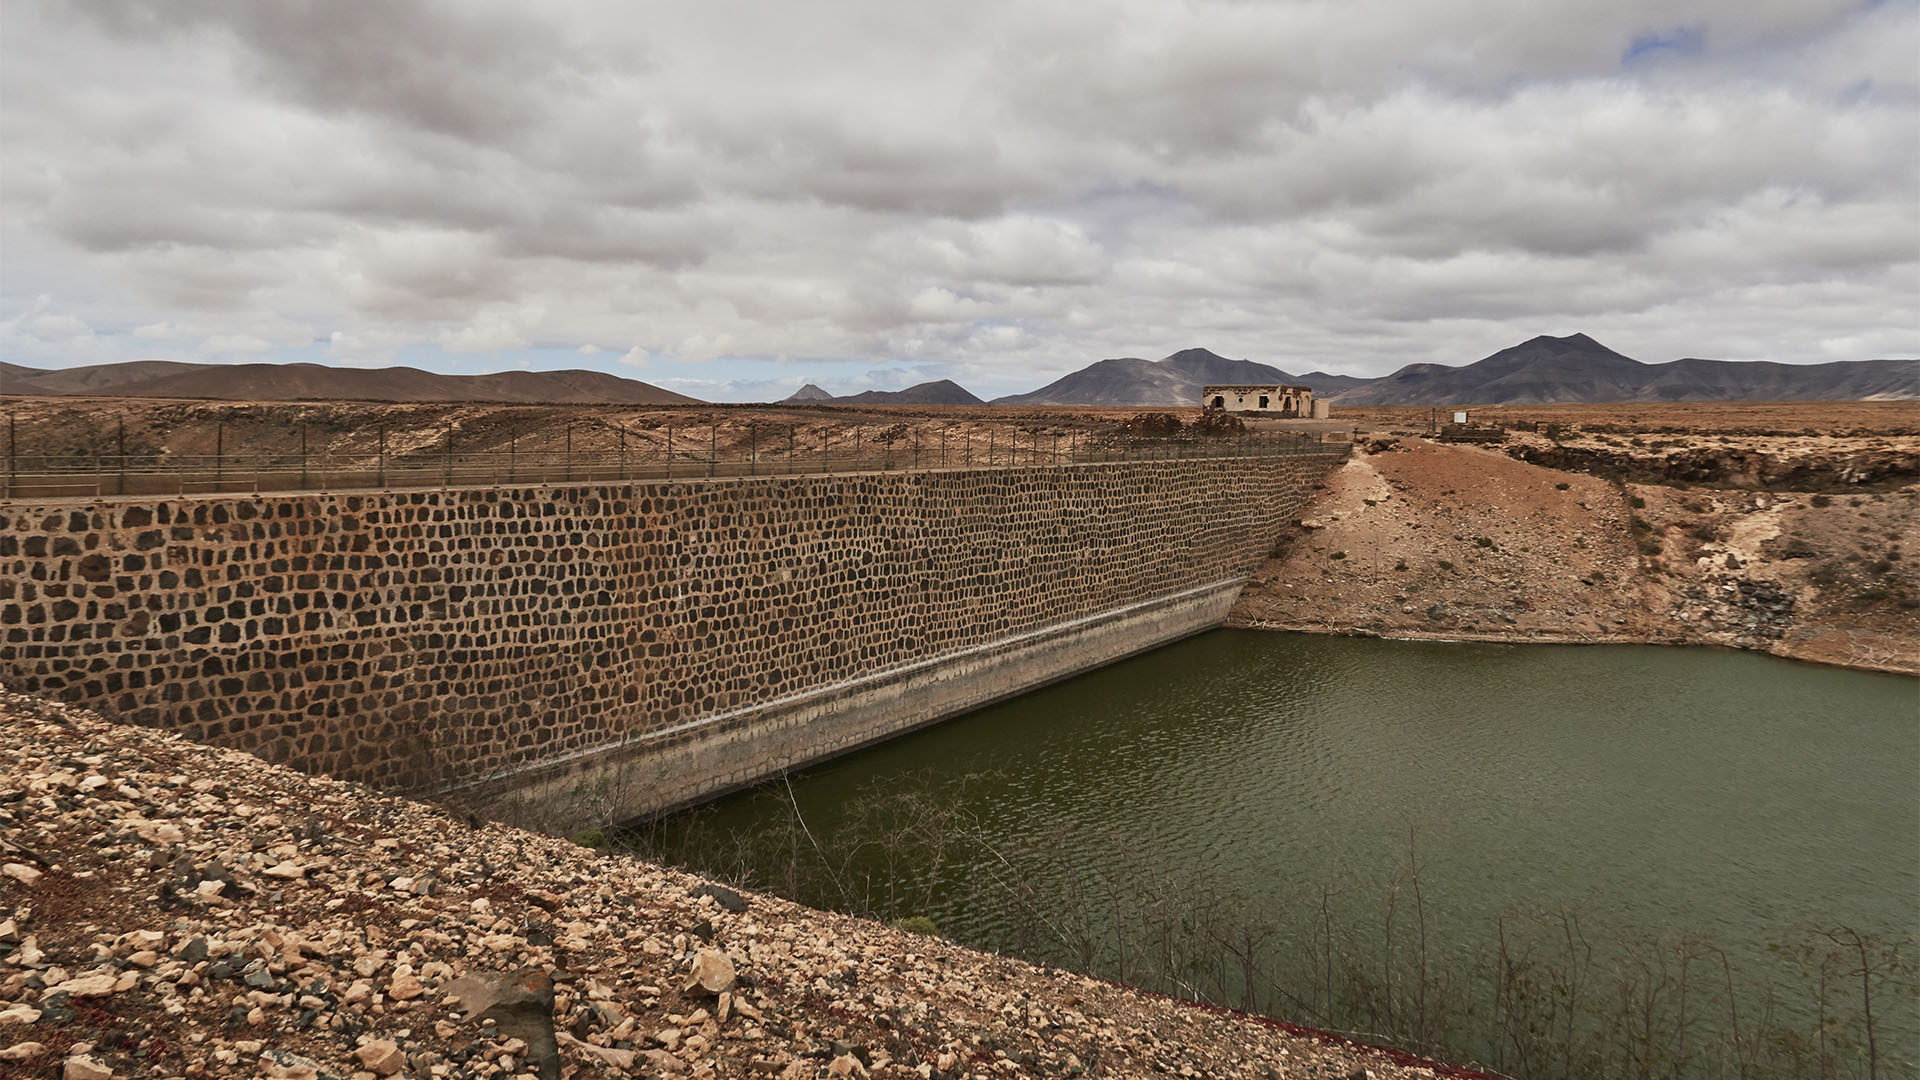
(995, 191)
(1017, 249)
(470, 69)
(1561, 170)
(1213, 78)
(616, 234)
(905, 165)
(193, 279)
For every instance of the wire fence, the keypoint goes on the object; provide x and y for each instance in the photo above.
(660, 454)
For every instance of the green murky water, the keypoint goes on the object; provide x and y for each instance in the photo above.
(1664, 793)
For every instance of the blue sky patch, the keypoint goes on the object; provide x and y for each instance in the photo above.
(1675, 41)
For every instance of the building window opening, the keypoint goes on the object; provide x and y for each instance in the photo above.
(1219, 402)
(1263, 401)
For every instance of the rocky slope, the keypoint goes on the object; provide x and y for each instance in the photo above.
(1812, 464)
(172, 910)
(1424, 540)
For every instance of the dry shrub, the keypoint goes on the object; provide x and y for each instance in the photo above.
(1151, 423)
(1214, 422)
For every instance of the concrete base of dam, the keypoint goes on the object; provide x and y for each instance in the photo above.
(663, 771)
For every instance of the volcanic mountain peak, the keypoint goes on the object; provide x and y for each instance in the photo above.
(941, 392)
(1177, 379)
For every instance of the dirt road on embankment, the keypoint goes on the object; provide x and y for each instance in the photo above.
(1416, 539)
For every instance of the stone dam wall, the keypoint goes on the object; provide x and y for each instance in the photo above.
(568, 655)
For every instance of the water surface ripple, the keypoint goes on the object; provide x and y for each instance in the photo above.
(1667, 790)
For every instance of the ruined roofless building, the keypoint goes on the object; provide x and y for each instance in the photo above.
(1275, 400)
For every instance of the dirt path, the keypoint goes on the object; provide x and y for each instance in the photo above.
(1424, 540)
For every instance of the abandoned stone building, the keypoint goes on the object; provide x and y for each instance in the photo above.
(1275, 400)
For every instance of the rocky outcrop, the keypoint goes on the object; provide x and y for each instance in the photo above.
(1754, 611)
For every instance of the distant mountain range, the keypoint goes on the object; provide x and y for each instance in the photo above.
(1575, 368)
(318, 382)
(1578, 368)
(1546, 369)
(944, 392)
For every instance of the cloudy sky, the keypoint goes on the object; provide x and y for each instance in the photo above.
(730, 198)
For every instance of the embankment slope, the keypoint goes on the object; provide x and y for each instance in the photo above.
(169, 909)
(1424, 540)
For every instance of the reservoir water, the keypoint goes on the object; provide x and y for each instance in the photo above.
(1701, 802)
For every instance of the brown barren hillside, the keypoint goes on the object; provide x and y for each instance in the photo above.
(1423, 540)
(319, 382)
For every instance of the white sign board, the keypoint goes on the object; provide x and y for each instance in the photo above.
(1459, 418)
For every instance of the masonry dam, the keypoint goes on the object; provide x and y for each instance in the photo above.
(569, 655)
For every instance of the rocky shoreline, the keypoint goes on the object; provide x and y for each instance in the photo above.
(169, 909)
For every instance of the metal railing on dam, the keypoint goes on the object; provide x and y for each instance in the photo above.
(667, 454)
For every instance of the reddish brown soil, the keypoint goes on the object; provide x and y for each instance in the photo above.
(1425, 540)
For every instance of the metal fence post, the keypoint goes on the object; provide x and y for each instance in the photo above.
(513, 456)
(380, 475)
(669, 451)
(753, 448)
(123, 456)
(446, 474)
(13, 459)
(713, 445)
(219, 453)
(566, 469)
